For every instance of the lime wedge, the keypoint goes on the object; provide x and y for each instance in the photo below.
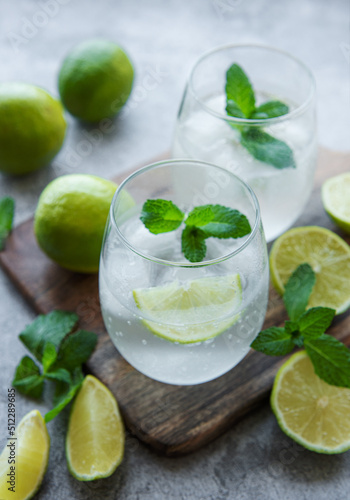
(192, 311)
(95, 438)
(327, 254)
(31, 452)
(310, 411)
(336, 200)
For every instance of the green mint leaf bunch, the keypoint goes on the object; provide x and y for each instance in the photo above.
(240, 103)
(205, 221)
(7, 212)
(306, 328)
(61, 355)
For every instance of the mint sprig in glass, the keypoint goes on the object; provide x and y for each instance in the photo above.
(241, 103)
(202, 222)
(251, 110)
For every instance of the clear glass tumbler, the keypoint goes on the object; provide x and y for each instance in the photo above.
(177, 321)
(204, 131)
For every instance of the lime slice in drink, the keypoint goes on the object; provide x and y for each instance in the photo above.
(95, 438)
(327, 254)
(336, 200)
(310, 411)
(31, 453)
(192, 311)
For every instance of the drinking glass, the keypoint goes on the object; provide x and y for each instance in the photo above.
(204, 131)
(177, 321)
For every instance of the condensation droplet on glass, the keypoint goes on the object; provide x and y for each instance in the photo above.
(144, 342)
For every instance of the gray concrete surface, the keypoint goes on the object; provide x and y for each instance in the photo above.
(254, 460)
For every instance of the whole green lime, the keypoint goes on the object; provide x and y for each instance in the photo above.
(32, 128)
(95, 80)
(70, 219)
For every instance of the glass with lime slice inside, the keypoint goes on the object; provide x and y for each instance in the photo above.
(184, 271)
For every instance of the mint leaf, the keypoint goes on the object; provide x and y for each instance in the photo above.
(193, 244)
(331, 359)
(49, 356)
(239, 90)
(52, 327)
(7, 212)
(161, 216)
(292, 329)
(266, 148)
(61, 374)
(64, 394)
(315, 321)
(219, 221)
(75, 350)
(28, 379)
(233, 110)
(270, 109)
(274, 341)
(240, 103)
(297, 291)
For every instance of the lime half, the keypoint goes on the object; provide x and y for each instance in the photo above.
(336, 200)
(95, 438)
(31, 452)
(310, 411)
(327, 254)
(192, 311)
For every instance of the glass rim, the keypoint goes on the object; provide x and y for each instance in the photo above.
(157, 260)
(257, 121)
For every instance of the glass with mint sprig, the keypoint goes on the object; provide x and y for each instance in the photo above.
(182, 269)
(251, 110)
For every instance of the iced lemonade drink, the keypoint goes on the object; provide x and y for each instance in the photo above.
(183, 305)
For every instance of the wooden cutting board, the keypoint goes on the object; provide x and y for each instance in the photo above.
(172, 419)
